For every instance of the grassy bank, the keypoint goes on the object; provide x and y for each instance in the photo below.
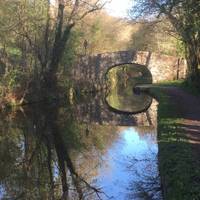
(178, 164)
(181, 84)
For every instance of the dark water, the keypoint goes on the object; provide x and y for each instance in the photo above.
(80, 150)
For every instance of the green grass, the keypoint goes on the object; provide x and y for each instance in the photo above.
(12, 51)
(170, 83)
(179, 166)
(182, 84)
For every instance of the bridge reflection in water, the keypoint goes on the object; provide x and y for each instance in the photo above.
(99, 112)
(79, 151)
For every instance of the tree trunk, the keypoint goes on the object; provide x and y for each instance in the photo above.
(61, 38)
(58, 49)
(192, 58)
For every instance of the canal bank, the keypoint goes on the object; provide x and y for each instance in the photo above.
(178, 142)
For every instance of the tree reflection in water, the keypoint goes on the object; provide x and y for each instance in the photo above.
(39, 150)
(52, 152)
(146, 183)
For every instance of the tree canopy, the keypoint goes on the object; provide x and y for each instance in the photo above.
(184, 15)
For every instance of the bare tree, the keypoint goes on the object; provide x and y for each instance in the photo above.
(68, 14)
(43, 28)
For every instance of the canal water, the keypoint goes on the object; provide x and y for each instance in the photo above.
(91, 147)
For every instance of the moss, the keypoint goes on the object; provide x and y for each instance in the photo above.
(178, 164)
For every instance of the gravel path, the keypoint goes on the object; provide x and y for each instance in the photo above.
(189, 110)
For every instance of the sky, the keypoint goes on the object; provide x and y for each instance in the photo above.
(119, 8)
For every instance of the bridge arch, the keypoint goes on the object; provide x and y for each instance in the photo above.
(120, 95)
(144, 70)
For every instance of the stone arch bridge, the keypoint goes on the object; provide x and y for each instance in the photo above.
(93, 68)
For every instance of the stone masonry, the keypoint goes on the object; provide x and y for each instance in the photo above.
(162, 67)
